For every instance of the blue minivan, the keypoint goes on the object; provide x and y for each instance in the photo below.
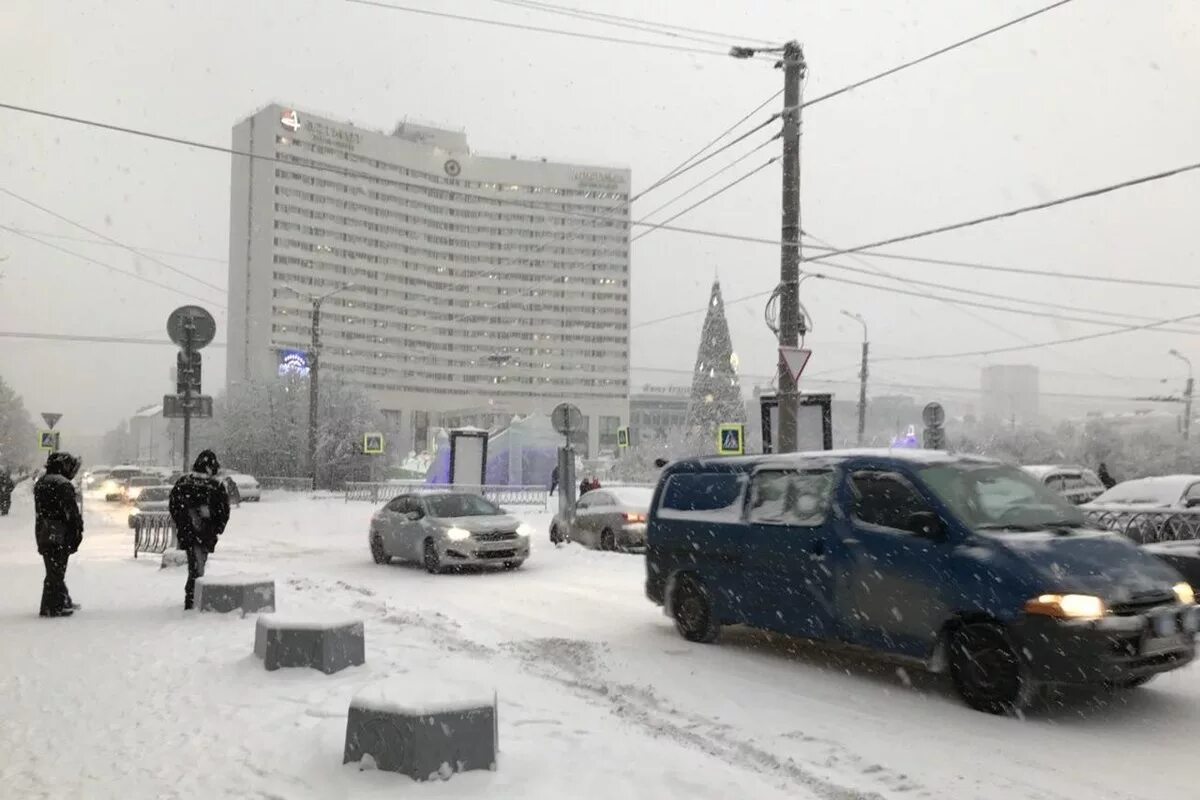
(958, 563)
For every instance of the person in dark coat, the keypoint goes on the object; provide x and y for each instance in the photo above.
(59, 530)
(199, 506)
(553, 479)
(1105, 478)
(6, 490)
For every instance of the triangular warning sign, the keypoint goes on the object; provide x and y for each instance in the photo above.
(795, 359)
(51, 418)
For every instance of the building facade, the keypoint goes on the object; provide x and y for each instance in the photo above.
(469, 280)
(1010, 393)
(657, 412)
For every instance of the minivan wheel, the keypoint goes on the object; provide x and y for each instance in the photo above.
(693, 612)
(433, 562)
(608, 541)
(377, 552)
(987, 671)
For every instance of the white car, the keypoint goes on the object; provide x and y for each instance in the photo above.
(1164, 491)
(1079, 485)
(242, 488)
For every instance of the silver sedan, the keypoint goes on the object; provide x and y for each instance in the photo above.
(606, 519)
(448, 529)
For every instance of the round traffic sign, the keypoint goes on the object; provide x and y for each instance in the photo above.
(933, 415)
(566, 418)
(201, 323)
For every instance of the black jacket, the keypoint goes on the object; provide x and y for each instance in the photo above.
(59, 525)
(6, 484)
(199, 505)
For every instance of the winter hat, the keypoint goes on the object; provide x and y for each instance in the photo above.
(63, 464)
(207, 463)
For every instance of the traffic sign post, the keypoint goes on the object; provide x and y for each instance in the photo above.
(731, 439)
(934, 436)
(192, 328)
(623, 438)
(567, 420)
(795, 359)
(373, 444)
(48, 441)
(51, 418)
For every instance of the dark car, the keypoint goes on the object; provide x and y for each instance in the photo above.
(953, 562)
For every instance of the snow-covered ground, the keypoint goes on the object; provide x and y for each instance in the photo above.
(599, 698)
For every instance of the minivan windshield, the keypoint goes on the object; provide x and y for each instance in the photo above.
(999, 497)
(460, 505)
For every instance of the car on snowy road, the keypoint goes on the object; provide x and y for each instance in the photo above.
(117, 477)
(952, 562)
(1079, 485)
(448, 529)
(606, 519)
(241, 488)
(152, 499)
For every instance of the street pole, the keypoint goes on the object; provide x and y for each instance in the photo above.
(862, 377)
(314, 375)
(189, 331)
(1187, 395)
(791, 326)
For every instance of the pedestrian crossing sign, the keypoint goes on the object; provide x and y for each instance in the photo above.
(622, 437)
(373, 444)
(48, 441)
(731, 439)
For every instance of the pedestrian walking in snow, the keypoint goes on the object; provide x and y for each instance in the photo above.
(58, 529)
(199, 507)
(1105, 478)
(553, 479)
(6, 490)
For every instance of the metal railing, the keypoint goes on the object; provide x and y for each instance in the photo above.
(500, 495)
(153, 533)
(1146, 526)
(285, 484)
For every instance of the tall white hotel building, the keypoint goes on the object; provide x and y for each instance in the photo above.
(483, 286)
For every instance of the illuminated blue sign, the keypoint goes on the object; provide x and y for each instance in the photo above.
(293, 362)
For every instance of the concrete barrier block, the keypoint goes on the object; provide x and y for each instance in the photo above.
(247, 593)
(424, 736)
(326, 643)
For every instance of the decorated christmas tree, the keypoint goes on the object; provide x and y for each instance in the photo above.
(716, 396)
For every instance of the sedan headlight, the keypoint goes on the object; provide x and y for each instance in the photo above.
(524, 530)
(458, 534)
(1185, 594)
(1067, 606)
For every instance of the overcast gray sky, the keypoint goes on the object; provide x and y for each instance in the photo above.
(1089, 94)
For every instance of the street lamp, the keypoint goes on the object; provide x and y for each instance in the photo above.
(862, 375)
(1187, 394)
(314, 370)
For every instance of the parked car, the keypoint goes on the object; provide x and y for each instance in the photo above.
(1079, 485)
(95, 477)
(116, 479)
(606, 519)
(151, 499)
(949, 561)
(133, 487)
(242, 488)
(1165, 491)
(448, 529)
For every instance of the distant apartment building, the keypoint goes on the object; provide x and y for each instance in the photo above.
(1010, 393)
(474, 281)
(655, 412)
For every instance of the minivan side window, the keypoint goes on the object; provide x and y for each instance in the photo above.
(702, 495)
(789, 497)
(885, 499)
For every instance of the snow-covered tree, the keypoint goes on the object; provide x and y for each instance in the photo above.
(18, 435)
(117, 446)
(716, 394)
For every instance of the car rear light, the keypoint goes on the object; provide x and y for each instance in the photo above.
(635, 517)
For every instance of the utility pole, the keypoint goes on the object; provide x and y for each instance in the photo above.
(791, 325)
(189, 337)
(1187, 395)
(862, 377)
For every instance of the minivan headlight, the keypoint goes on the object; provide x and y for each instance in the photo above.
(1067, 606)
(458, 534)
(524, 530)
(1184, 593)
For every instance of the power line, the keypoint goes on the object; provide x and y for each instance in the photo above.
(705, 180)
(934, 54)
(621, 22)
(693, 312)
(102, 243)
(662, 27)
(538, 29)
(720, 191)
(1013, 212)
(687, 167)
(96, 233)
(64, 337)
(722, 135)
(1070, 340)
(124, 272)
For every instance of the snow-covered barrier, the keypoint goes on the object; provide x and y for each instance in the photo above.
(429, 738)
(327, 643)
(249, 593)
